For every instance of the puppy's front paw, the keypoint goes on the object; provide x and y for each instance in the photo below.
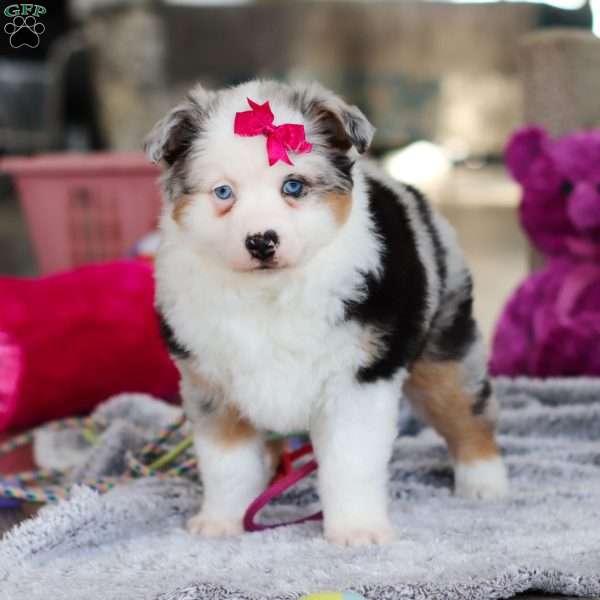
(482, 479)
(214, 527)
(360, 536)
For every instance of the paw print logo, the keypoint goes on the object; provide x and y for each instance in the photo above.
(24, 31)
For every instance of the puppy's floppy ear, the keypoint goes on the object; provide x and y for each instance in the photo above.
(343, 126)
(172, 136)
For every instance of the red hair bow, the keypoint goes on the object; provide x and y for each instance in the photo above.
(281, 139)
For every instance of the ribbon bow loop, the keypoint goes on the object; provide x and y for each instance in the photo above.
(281, 139)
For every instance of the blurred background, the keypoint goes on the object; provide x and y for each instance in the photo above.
(445, 83)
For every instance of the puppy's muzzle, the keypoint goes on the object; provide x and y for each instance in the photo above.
(262, 246)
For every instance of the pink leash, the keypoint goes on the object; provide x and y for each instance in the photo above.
(285, 478)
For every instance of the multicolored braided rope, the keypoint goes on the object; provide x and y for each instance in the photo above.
(155, 459)
(160, 458)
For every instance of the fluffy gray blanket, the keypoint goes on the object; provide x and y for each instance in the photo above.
(131, 544)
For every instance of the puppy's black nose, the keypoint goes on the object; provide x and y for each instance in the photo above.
(262, 245)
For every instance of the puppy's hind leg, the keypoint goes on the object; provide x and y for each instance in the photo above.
(463, 413)
(233, 461)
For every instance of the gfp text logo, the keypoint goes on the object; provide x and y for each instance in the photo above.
(24, 29)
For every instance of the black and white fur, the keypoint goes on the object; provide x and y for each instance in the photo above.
(327, 336)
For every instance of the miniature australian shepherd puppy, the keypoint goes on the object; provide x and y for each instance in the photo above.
(300, 288)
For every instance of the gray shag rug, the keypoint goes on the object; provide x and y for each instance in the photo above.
(131, 543)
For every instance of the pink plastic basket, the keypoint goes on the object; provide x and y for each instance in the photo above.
(83, 208)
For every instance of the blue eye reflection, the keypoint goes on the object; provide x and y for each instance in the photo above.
(223, 192)
(293, 187)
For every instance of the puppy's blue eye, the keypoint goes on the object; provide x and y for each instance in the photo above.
(293, 187)
(223, 192)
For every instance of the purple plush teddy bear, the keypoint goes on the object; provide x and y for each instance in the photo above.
(551, 324)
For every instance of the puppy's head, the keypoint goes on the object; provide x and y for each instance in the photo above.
(226, 199)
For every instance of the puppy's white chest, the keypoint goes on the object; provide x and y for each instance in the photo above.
(272, 347)
(272, 364)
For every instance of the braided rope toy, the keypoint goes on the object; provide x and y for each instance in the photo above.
(155, 459)
(152, 459)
